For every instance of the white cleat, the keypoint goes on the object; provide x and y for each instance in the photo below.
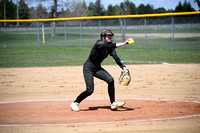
(115, 105)
(74, 106)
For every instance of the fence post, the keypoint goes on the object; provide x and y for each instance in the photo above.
(99, 26)
(65, 34)
(51, 34)
(38, 31)
(43, 34)
(173, 32)
(145, 23)
(81, 32)
(122, 32)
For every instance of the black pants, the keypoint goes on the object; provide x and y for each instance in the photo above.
(91, 70)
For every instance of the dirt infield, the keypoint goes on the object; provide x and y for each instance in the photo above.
(38, 113)
(25, 104)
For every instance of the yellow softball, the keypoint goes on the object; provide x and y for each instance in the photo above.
(131, 41)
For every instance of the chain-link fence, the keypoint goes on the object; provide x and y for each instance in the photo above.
(169, 32)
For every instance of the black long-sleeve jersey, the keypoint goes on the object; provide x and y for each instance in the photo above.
(101, 50)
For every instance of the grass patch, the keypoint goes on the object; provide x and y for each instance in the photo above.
(30, 39)
(73, 56)
(20, 49)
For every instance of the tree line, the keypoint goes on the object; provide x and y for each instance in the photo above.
(77, 8)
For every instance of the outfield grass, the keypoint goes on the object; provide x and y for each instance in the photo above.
(30, 39)
(20, 48)
(73, 56)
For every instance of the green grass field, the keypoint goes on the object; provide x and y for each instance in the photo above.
(20, 49)
(72, 56)
(30, 39)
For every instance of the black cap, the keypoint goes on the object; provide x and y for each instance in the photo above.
(107, 34)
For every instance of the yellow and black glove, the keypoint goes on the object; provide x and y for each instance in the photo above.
(125, 77)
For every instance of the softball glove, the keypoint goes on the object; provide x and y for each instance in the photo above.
(125, 77)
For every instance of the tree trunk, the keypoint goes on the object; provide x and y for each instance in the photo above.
(54, 16)
(4, 6)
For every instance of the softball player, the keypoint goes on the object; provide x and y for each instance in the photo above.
(92, 68)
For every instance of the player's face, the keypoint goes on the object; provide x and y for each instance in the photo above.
(109, 38)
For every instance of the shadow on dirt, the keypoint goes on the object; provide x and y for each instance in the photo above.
(108, 107)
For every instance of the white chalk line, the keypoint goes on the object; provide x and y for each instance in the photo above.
(89, 123)
(162, 63)
(179, 65)
(52, 100)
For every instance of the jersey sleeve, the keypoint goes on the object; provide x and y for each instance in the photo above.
(117, 59)
(102, 45)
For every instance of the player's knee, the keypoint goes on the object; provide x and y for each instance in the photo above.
(110, 80)
(89, 91)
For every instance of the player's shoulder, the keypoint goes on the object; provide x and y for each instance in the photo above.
(99, 43)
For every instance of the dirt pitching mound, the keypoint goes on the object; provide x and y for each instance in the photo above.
(92, 111)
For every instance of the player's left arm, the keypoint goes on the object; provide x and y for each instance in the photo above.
(117, 59)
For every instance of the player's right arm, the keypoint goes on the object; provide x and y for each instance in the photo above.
(122, 44)
(101, 44)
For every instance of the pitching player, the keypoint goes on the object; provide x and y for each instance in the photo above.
(92, 68)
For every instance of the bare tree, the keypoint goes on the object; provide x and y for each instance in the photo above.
(54, 7)
(78, 10)
(198, 2)
(54, 16)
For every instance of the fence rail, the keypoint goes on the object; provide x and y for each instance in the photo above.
(102, 17)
